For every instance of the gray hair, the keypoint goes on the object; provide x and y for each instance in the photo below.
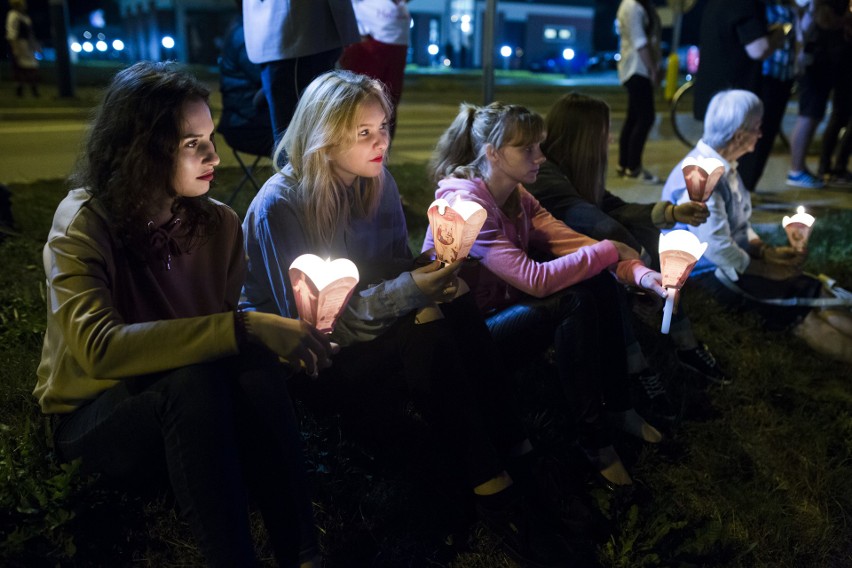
(729, 111)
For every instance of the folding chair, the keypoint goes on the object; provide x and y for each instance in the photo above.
(248, 171)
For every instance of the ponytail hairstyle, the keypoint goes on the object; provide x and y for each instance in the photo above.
(130, 153)
(461, 149)
(577, 142)
(325, 120)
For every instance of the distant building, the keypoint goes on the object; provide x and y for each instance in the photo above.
(554, 36)
(195, 29)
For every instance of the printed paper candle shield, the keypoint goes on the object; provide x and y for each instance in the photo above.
(798, 228)
(679, 251)
(701, 176)
(454, 228)
(322, 288)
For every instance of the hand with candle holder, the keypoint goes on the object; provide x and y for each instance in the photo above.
(679, 251)
(335, 198)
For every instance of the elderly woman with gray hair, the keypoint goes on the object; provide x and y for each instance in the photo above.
(739, 268)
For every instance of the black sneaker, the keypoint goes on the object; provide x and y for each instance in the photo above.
(701, 361)
(526, 537)
(650, 396)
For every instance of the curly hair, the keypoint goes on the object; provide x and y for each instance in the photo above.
(129, 158)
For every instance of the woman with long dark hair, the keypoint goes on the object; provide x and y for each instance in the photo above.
(147, 365)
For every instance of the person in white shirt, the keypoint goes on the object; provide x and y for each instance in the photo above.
(639, 28)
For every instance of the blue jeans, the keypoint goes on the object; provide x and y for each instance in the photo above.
(584, 322)
(225, 432)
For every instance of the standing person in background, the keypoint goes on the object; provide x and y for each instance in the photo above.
(778, 74)
(638, 70)
(22, 42)
(823, 52)
(834, 161)
(147, 367)
(734, 39)
(385, 28)
(295, 41)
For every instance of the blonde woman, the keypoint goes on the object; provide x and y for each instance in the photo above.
(334, 198)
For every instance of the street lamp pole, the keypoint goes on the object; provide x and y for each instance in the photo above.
(59, 31)
(488, 51)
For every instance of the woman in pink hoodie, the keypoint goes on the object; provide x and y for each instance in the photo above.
(539, 282)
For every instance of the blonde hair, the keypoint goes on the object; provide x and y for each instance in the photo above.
(325, 121)
(577, 140)
(461, 150)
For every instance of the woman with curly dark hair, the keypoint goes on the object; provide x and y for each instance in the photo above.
(147, 366)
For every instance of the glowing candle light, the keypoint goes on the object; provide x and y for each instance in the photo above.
(322, 288)
(798, 228)
(701, 176)
(454, 227)
(679, 251)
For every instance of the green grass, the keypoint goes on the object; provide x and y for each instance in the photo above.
(757, 475)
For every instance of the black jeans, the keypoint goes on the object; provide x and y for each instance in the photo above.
(585, 323)
(452, 371)
(637, 125)
(285, 80)
(226, 432)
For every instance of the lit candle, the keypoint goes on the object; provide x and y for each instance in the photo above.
(454, 228)
(322, 288)
(798, 228)
(679, 251)
(701, 176)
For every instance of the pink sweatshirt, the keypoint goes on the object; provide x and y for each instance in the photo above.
(506, 248)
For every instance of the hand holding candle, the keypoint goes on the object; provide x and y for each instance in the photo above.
(679, 251)
(701, 176)
(798, 228)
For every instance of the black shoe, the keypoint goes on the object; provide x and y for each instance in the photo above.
(526, 537)
(701, 361)
(650, 396)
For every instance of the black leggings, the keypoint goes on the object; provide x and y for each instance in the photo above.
(585, 323)
(640, 118)
(224, 431)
